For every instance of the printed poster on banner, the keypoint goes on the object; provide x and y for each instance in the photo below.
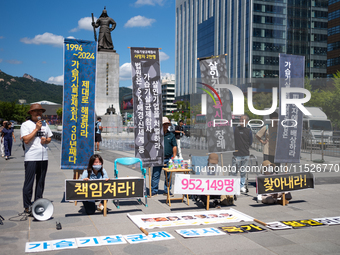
(214, 72)
(78, 103)
(147, 105)
(289, 131)
(150, 221)
(185, 184)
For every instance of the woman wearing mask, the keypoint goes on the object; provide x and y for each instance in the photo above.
(95, 171)
(7, 136)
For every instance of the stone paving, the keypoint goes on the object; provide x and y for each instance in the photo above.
(323, 201)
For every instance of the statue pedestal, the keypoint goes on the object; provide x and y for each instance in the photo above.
(112, 124)
(107, 82)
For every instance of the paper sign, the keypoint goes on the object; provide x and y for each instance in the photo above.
(277, 225)
(199, 232)
(38, 246)
(88, 241)
(329, 220)
(138, 238)
(160, 236)
(62, 244)
(111, 240)
(184, 184)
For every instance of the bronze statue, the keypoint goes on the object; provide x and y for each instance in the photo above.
(104, 38)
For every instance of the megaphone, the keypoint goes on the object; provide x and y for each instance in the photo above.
(42, 209)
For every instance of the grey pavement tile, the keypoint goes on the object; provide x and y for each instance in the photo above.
(155, 248)
(268, 239)
(13, 244)
(220, 244)
(305, 235)
(291, 249)
(323, 247)
(259, 251)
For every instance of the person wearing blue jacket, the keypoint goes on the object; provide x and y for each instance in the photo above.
(94, 171)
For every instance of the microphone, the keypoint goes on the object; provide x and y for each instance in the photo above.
(43, 121)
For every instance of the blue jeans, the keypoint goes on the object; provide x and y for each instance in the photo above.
(240, 161)
(156, 174)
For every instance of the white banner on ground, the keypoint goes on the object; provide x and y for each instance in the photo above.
(199, 232)
(185, 184)
(150, 221)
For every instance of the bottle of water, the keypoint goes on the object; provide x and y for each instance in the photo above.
(189, 164)
(176, 161)
(171, 164)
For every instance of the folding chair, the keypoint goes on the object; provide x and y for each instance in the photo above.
(131, 161)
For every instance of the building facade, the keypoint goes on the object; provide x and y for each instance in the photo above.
(168, 96)
(333, 41)
(252, 34)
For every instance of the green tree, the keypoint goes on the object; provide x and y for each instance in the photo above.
(13, 111)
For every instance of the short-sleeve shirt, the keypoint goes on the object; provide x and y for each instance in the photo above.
(269, 133)
(34, 150)
(99, 124)
(93, 176)
(169, 143)
(178, 135)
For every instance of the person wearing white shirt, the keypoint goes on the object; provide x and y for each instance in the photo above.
(36, 134)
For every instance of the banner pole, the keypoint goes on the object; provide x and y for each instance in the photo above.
(150, 182)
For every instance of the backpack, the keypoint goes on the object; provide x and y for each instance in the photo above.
(96, 127)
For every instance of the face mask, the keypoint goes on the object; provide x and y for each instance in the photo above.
(97, 167)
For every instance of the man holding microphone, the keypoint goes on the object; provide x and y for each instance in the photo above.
(36, 134)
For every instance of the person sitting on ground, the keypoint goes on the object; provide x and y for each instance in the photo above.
(94, 171)
(268, 168)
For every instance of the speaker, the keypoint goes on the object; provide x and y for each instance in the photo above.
(42, 209)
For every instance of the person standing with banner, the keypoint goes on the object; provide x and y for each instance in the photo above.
(36, 134)
(243, 140)
(170, 149)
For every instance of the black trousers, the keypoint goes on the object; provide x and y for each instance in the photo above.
(37, 169)
(90, 206)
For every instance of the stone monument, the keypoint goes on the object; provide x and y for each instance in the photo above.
(107, 83)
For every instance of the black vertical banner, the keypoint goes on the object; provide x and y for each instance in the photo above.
(220, 135)
(147, 105)
(289, 131)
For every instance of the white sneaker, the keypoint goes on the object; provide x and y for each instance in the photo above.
(259, 198)
(243, 190)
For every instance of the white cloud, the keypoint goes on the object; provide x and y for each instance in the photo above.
(84, 23)
(139, 21)
(14, 62)
(168, 76)
(46, 38)
(163, 56)
(149, 2)
(58, 80)
(125, 71)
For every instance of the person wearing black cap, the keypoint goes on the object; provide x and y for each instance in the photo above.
(36, 134)
(98, 133)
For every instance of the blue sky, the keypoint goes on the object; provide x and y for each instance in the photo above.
(32, 33)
